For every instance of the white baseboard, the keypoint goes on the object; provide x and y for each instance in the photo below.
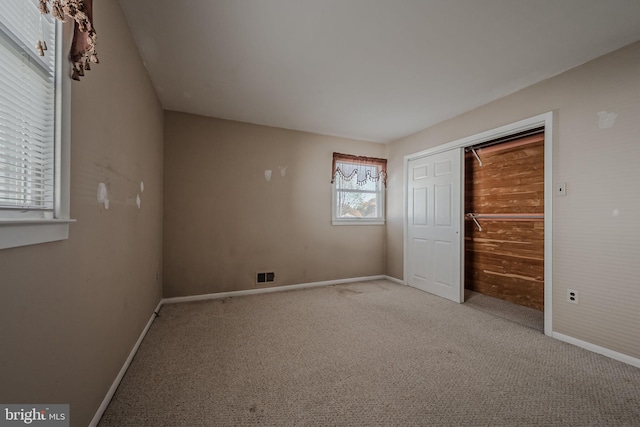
(268, 290)
(107, 399)
(597, 349)
(394, 280)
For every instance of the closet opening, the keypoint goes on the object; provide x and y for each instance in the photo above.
(504, 205)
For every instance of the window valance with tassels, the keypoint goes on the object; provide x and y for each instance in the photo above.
(83, 47)
(363, 168)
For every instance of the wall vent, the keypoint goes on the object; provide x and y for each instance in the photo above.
(266, 277)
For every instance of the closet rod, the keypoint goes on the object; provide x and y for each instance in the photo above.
(503, 217)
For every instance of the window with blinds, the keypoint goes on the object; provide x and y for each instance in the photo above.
(27, 108)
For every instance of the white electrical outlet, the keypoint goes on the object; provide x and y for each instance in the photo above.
(572, 296)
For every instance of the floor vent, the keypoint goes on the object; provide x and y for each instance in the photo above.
(267, 277)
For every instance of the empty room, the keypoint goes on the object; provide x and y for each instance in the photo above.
(327, 212)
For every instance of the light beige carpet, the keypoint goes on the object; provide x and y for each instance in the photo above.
(364, 354)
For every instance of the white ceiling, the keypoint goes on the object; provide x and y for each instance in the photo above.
(375, 70)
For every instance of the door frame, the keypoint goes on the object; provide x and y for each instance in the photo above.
(545, 120)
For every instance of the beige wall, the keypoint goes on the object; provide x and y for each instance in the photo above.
(71, 311)
(224, 221)
(594, 251)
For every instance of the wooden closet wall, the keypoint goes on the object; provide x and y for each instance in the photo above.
(506, 259)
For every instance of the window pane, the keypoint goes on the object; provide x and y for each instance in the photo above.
(351, 204)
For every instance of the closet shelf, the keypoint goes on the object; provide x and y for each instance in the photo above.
(513, 217)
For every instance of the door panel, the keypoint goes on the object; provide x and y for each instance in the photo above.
(420, 172)
(443, 259)
(434, 224)
(443, 195)
(442, 168)
(420, 253)
(420, 206)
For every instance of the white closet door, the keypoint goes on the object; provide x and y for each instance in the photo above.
(434, 224)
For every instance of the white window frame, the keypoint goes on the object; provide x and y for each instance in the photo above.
(24, 228)
(380, 193)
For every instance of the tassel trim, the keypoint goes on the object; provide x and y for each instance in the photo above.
(76, 10)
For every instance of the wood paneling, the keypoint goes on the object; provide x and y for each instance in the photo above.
(506, 258)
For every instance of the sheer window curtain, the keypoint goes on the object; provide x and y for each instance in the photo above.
(363, 168)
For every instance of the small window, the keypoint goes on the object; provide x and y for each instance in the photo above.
(33, 136)
(358, 190)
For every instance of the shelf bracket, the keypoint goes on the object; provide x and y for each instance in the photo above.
(472, 217)
(473, 150)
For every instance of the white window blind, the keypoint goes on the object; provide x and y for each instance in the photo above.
(27, 108)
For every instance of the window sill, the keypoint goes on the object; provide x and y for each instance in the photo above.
(22, 232)
(357, 222)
